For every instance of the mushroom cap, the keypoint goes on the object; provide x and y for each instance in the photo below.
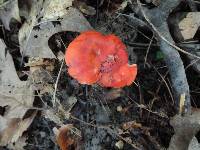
(96, 58)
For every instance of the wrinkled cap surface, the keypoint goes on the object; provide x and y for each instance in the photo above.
(96, 58)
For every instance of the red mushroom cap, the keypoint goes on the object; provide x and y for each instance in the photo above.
(96, 58)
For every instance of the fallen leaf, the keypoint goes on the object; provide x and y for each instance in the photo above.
(35, 33)
(119, 144)
(16, 97)
(156, 2)
(194, 144)
(40, 70)
(189, 25)
(8, 10)
(113, 94)
(19, 145)
(67, 136)
(123, 5)
(69, 103)
(53, 116)
(185, 127)
(56, 8)
(131, 125)
(63, 111)
(84, 8)
(13, 129)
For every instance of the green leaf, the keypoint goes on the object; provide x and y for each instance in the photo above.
(159, 55)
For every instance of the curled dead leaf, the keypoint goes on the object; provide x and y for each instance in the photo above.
(12, 129)
(185, 127)
(131, 124)
(67, 137)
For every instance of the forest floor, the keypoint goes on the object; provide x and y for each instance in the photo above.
(161, 104)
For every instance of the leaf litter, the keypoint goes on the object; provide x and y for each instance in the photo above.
(9, 10)
(16, 97)
(35, 33)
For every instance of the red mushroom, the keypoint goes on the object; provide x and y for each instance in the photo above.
(96, 58)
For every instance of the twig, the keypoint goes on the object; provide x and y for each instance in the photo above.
(163, 79)
(58, 77)
(145, 59)
(56, 84)
(106, 128)
(172, 57)
(161, 36)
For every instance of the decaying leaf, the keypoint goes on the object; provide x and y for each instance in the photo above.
(185, 127)
(34, 35)
(16, 97)
(119, 144)
(36, 63)
(113, 94)
(56, 8)
(63, 111)
(9, 10)
(123, 5)
(194, 144)
(40, 70)
(131, 125)
(189, 25)
(19, 145)
(84, 8)
(13, 129)
(67, 136)
(53, 116)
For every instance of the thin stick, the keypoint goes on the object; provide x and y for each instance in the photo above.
(145, 59)
(160, 35)
(163, 79)
(58, 77)
(56, 84)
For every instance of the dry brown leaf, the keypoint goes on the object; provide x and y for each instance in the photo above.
(194, 144)
(119, 144)
(84, 8)
(131, 125)
(52, 115)
(19, 145)
(185, 127)
(123, 5)
(16, 97)
(8, 10)
(67, 137)
(56, 8)
(35, 63)
(12, 129)
(63, 111)
(41, 69)
(113, 94)
(35, 33)
(189, 25)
